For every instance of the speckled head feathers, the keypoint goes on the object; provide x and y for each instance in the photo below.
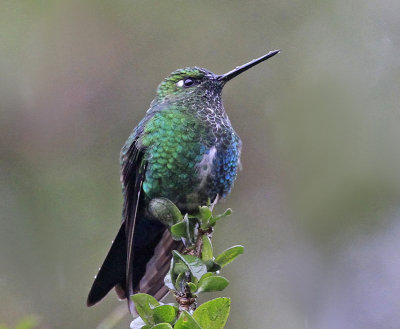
(187, 81)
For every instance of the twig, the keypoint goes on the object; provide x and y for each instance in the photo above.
(186, 300)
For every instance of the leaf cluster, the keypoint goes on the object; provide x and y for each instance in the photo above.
(194, 271)
(155, 315)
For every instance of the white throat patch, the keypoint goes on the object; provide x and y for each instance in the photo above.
(206, 165)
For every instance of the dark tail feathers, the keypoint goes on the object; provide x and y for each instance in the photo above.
(112, 272)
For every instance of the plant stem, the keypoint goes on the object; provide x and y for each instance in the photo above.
(186, 300)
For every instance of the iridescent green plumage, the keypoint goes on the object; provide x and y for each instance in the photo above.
(184, 149)
(174, 148)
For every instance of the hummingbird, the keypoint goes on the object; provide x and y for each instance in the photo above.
(185, 150)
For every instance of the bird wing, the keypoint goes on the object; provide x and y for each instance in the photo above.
(133, 171)
(112, 272)
(140, 255)
(158, 262)
(118, 266)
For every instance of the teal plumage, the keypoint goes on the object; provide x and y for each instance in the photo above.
(184, 149)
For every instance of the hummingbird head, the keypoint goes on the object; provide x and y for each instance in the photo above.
(187, 83)
(197, 82)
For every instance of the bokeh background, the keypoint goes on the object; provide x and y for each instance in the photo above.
(316, 204)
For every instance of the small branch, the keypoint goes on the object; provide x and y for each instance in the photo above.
(187, 301)
(199, 243)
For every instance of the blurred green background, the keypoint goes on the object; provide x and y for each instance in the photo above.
(316, 204)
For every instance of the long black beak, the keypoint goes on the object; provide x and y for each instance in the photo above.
(240, 69)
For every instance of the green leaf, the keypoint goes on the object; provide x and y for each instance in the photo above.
(229, 255)
(213, 220)
(180, 268)
(205, 215)
(164, 313)
(175, 270)
(192, 287)
(212, 283)
(213, 314)
(179, 230)
(180, 282)
(205, 212)
(195, 265)
(165, 211)
(162, 326)
(145, 305)
(186, 321)
(212, 266)
(227, 212)
(208, 274)
(207, 250)
(184, 229)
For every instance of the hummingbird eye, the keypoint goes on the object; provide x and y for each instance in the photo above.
(187, 82)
